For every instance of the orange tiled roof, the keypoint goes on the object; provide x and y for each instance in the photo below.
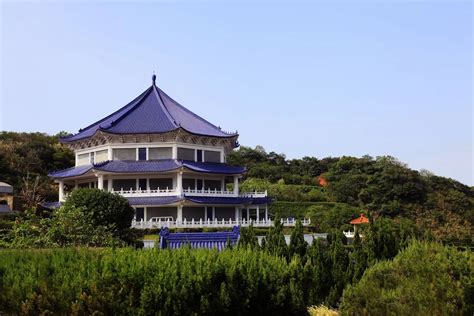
(360, 220)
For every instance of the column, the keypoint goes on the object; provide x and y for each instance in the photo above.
(110, 184)
(258, 213)
(266, 212)
(248, 214)
(75, 184)
(205, 213)
(174, 152)
(236, 185)
(179, 183)
(213, 213)
(109, 154)
(236, 213)
(145, 214)
(61, 191)
(100, 182)
(223, 184)
(179, 217)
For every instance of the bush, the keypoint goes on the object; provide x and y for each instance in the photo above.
(124, 281)
(424, 279)
(103, 208)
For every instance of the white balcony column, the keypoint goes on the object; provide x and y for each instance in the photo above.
(110, 184)
(61, 191)
(258, 213)
(266, 212)
(145, 214)
(109, 154)
(236, 213)
(248, 214)
(179, 216)
(213, 213)
(174, 152)
(179, 183)
(223, 184)
(205, 213)
(236, 185)
(100, 182)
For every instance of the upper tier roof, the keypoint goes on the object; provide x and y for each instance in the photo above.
(152, 112)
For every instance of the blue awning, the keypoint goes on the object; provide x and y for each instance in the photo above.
(161, 200)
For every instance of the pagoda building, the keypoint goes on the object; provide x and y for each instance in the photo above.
(167, 161)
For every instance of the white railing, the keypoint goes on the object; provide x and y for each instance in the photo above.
(350, 234)
(208, 192)
(148, 192)
(213, 223)
(255, 194)
(191, 192)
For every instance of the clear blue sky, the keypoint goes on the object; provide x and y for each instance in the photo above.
(318, 79)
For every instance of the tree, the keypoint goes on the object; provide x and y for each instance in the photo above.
(275, 243)
(297, 245)
(248, 238)
(357, 260)
(103, 208)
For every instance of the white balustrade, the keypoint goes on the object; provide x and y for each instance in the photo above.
(190, 192)
(147, 192)
(243, 222)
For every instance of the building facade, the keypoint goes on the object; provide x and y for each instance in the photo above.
(168, 162)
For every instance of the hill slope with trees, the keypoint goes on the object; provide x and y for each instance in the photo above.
(330, 190)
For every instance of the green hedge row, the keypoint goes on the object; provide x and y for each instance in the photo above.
(149, 282)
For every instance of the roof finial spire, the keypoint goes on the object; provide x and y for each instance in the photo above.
(153, 78)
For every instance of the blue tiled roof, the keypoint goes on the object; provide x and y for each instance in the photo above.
(132, 166)
(152, 112)
(161, 200)
(215, 240)
(218, 200)
(70, 172)
(210, 167)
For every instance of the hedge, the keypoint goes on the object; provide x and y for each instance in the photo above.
(149, 282)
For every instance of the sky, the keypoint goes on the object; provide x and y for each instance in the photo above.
(300, 78)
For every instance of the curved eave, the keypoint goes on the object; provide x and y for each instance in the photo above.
(65, 140)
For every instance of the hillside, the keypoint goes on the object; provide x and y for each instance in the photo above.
(330, 190)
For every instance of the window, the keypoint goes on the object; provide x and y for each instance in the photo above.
(125, 154)
(82, 159)
(212, 156)
(185, 154)
(141, 153)
(160, 153)
(199, 155)
(101, 155)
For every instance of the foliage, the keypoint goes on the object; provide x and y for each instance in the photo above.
(297, 243)
(248, 238)
(103, 208)
(321, 310)
(424, 279)
(124, 281)
(35, 154)
(275, 242)
(65, 227)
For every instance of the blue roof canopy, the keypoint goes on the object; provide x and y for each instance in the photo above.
(215, 240)
(149, 166)
(152, 112)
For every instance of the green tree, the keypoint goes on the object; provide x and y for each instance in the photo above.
(275, 240)
(297, 245)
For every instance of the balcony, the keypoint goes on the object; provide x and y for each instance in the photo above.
(189, 192)
(170, 223)
(144, 193)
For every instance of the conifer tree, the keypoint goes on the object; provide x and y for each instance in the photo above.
(248, 238)
(275, 243)
(357, 260)
(297, 245)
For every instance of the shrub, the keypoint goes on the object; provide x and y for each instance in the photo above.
(103, 208)
(424, 279)
(124, 281)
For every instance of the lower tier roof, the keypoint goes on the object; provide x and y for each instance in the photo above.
(149, 166)
(167, 200)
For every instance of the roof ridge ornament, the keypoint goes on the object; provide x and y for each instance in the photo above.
(153, 78)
